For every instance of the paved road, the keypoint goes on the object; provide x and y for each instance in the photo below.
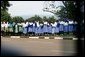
(37, 47)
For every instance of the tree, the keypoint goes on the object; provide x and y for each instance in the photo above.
(17, 19)
(52, 19)
(68, 10)
(37, 18)
(45, 18)
(5, 16)
(4, 5)
(34, 18)
(61, 13)
(80, 33)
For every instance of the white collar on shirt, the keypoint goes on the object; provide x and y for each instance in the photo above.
(45, 22)
(70, 22)
(41, 24)
(65, 23)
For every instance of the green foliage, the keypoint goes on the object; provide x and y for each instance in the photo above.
(17, 19)
(52, 19)
(4, 5)
(41, 20)
(34, 18)
(68, 10)
(45, 18)
(5, 16)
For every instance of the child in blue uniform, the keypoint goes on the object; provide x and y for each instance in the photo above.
(6, 28)
(45, 30)
(66, 27)
(10, 28)
(30, 28)
(41, 26)
(24, 28)
(33, 28)
(57, 28)
(36, 28)
(40, 31)
(20, 29)
(2, 28)
(61, 26)
(70, 26)
(74, 27)
(16, 29)
(53, 27)
(49, 29)
(13, 28)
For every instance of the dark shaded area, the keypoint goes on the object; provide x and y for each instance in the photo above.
(80, 33)
(9, 53)
(12, 51)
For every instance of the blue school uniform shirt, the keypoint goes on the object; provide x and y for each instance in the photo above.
(61, 26)
(16, 28)
(65, 27)
(30, 28)
(57, 28)
(53, 28)
(34, 27)
(41, 29)
(74, 26)
(49, 29)
(45, 28)
(14, 23)
(70, 27)
(25, 29)
(13, 26)
(10, 27)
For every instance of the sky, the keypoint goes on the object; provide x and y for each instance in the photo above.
(29, 8)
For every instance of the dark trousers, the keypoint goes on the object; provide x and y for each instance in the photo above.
(61, 32)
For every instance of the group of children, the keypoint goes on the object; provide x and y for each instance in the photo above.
(37, 28)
